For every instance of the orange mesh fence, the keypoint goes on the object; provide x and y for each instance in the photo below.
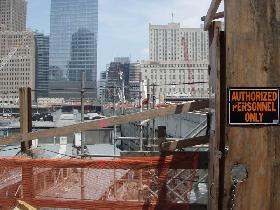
(131, 183)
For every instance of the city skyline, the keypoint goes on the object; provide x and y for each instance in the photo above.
(127, 28)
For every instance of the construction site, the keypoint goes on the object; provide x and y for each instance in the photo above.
(215, 153)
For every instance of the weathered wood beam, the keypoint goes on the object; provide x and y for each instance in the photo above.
(100, 123)
(179, 144)
(217, 16)
(24, 206)
(211, 13)
(252, 43)
(25, 115)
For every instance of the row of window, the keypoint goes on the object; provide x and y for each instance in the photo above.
(174, 65)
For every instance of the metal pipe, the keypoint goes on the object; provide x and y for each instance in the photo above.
(154, 131)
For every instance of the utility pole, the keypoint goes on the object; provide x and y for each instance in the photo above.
(82, 133)
(114, 113)
(148, 102)
(123, 96)
(154, 131)
(82, 111)
(141, 126)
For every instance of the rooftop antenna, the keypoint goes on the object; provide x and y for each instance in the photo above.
(172, 14)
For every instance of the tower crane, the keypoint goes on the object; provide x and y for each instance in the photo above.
(184, 43)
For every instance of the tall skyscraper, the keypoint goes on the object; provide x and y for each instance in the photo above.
(13, 15)
(42, 64)
(17, 51)
(73, 46)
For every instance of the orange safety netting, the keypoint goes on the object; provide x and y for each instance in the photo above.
(131, 183)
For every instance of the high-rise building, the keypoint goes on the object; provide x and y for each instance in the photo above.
(73, 47)
(13, 15)
(134, 80)
(102, 83)
(17, 64)
(122, 60)
(178, 64)
(117, 74)
(173, 43)
(42, 65)
(17, 51)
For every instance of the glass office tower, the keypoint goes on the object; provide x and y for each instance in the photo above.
(42, 65)
(73, 46)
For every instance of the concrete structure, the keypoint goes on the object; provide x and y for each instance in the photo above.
(169, 77)
(73, 46)
(173, 43)
(42, 64)
(13, 15)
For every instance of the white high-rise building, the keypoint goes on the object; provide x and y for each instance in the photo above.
(172, 43)
(178, 64)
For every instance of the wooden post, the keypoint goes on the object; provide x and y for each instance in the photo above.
(161, 135)
(217, 116)
(253, 60)
(25, 115)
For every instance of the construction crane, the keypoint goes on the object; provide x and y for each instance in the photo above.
(184, 43)
(8, 57)
(13, 51)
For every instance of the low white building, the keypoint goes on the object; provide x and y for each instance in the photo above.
(50, 101)
(177, 78)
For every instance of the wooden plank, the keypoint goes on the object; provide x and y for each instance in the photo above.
(24, 206)
(181, 108)
(179, 144)
(253, 60)
(215, 125)
(217, 16)
(211, 13)
(223, 119)
(117, 205)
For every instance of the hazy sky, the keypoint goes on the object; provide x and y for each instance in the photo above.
(123, 24)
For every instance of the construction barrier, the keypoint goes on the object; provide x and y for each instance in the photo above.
(132, 183)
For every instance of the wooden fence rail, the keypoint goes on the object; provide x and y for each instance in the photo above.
(110, 121)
